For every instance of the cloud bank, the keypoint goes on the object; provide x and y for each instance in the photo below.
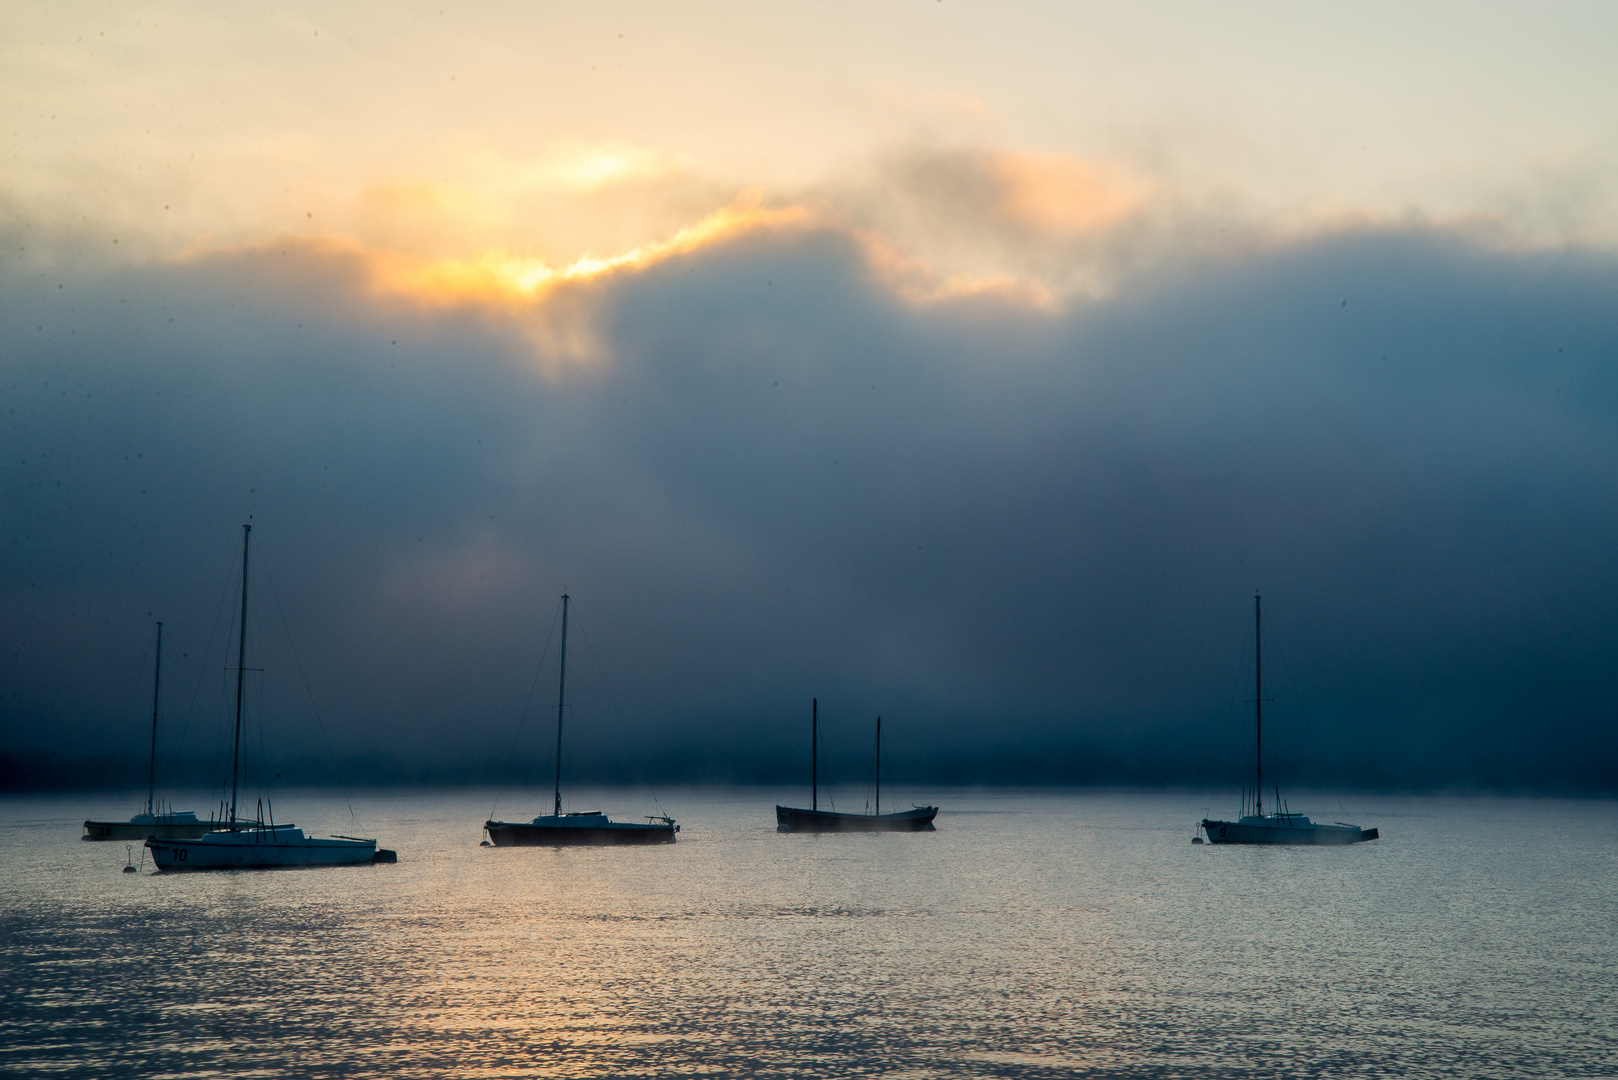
(1025, 534)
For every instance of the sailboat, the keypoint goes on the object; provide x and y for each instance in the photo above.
(156, 820)
(1280, 825)
(814, 819)
(578, 827)
(241, 845)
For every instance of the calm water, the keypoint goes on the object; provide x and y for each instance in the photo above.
(1032, 935)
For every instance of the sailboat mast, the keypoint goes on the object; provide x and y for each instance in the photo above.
(151, 768)
(879, 766)
(1258, 700)
(814, 753)
(561, 693)
(241, 675)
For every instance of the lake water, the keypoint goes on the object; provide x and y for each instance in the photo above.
(1035, 934)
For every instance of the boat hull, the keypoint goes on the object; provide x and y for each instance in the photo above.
(124, 830)
(609, 834)
(1243, 832)
(794, 819)
(257, 850)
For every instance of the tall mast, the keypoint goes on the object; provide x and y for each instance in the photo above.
(1258, 700)
(561, 691)
(241, 675)
(814, 753)
(157, 676)
(879, 766)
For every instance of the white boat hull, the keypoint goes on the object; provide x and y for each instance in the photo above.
(257, 849)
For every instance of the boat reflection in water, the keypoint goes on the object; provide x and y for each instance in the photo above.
(591, 827)
(1280, 826)
(814, 819)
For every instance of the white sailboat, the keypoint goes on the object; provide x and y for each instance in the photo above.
(259, 844)
(263, 846)
(1280, 825)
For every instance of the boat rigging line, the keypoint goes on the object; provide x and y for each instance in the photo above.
(618, 715)
(1229, 709)
(136, 684)
(539, 669)
(1303, 709)
(157, 682)
(286, 628)
(213, 634)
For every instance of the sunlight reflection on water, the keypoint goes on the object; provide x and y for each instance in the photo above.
(1081, 936)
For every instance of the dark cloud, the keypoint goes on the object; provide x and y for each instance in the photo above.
(1029, 541)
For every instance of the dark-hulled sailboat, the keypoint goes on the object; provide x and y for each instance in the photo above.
(1280, 825)
(795, 819)
(155, 820)
(587, 827)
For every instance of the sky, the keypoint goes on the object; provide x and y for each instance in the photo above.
(969, 365)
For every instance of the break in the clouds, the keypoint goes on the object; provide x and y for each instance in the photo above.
(1027, 537)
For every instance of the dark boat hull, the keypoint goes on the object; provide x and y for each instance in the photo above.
(125, 830)
(792, 819)
(523, 834)
(1236, 832)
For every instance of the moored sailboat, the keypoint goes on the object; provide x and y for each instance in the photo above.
(814, 819)
(1280, 825)
(262, 847)
(159, 821)
(240, 845)
(156, 819)
(590, 827)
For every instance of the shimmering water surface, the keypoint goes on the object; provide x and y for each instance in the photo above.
(1034, 934)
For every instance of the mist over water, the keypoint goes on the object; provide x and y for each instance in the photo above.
(1035, 934)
